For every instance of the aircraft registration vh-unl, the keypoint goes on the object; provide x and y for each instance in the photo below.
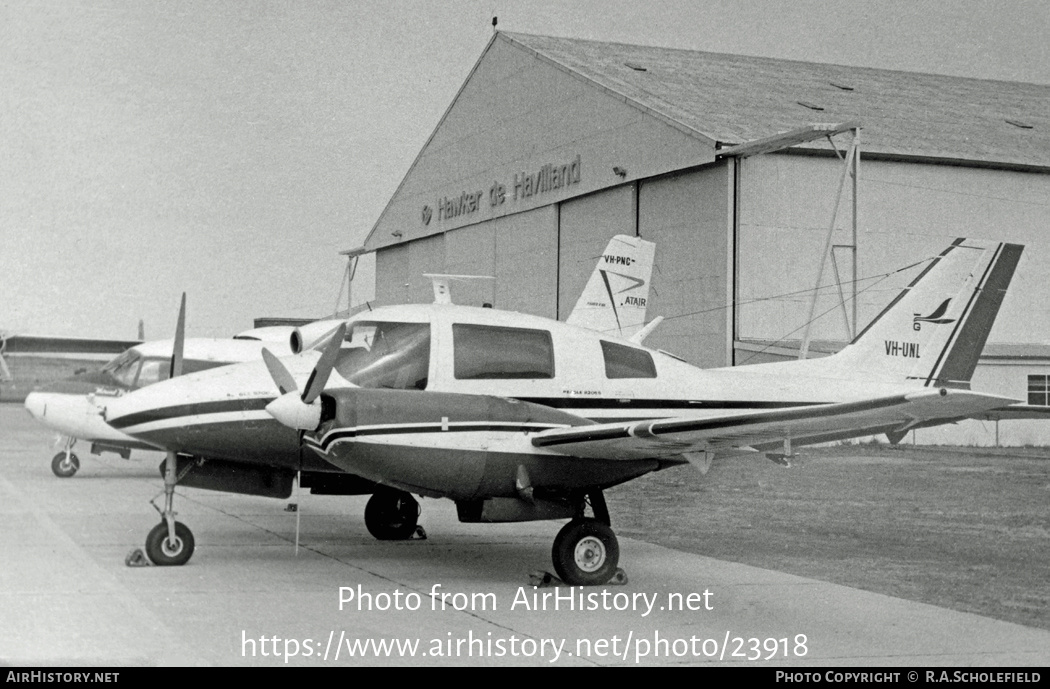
(518, 417)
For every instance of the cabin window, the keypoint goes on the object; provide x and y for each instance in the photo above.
(627, 362)
(1039, 390)
(488, 352)
(386, 355)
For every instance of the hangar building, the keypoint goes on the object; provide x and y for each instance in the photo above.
(740, 169)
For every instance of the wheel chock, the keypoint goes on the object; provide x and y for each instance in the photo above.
(542, 580)
(420, 534)
(137, 558)
(291, 507)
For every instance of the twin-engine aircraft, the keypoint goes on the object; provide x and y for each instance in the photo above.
(517, 417)
(614, 300)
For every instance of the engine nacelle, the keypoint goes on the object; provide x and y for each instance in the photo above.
(306, 336)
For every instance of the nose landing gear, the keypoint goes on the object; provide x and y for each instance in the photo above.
(65, 464)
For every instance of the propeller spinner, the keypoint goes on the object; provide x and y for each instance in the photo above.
(302, 412)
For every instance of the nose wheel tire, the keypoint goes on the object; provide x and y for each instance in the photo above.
(164, 552)
(391, 515)
(65, 466)
(585, 553)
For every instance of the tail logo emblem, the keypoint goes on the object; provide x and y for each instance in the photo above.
(636, 282)
(935, 318)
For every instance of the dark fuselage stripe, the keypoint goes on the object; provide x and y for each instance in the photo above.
(611, 405)
(196, 409)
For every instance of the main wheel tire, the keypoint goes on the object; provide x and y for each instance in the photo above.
(164, 553)
(585, 553)
(391, 515)
(64, 467)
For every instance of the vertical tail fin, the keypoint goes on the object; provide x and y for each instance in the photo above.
(617, 294)
(936, 328)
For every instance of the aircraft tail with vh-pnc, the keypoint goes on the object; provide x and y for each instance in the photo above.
(617, 293)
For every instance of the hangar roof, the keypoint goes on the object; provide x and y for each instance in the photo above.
(737, 98)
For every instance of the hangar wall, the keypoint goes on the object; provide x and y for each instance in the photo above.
(585, 228)
(908, 211)
(689, 216)
(535, 166)
(501, 147)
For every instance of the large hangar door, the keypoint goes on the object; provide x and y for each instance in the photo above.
(391, 269)
(586, 226)
(527, 262)
(400, 269)
(471, 251)
(786, 203)
(688, 217)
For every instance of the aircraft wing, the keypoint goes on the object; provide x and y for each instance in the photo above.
(728, 433)
(1016, 411)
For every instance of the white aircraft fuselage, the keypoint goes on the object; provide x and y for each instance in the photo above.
(519, 417)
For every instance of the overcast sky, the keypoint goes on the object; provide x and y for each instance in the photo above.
(231, 149)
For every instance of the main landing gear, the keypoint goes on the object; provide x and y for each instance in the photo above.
(585, 551)
(65, 463)
(393, 515)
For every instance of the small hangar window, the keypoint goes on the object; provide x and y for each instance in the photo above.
(487, 352)
(1039, 390)
(627, 362)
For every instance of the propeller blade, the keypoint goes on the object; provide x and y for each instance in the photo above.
(281, 375)
(180, 341)
(319, 376)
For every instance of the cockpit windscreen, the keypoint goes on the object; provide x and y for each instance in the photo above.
(386, 355)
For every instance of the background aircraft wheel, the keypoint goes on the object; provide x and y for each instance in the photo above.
(164, 553)
(63, 467)
(391, 515)
(585, 553)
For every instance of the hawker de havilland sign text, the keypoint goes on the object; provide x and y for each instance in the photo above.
(526, 184)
